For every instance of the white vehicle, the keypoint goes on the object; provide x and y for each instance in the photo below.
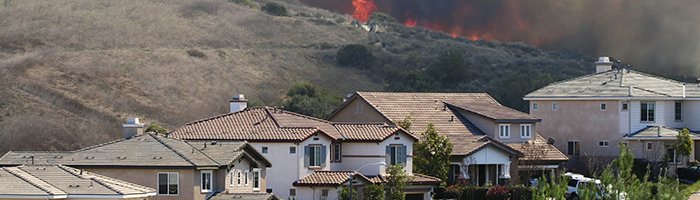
(577, 182)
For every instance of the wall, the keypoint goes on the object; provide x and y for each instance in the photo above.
(149, 178)
(583, 121)
(357, 154)
(243, 165)
(349, 114)
(314, 193)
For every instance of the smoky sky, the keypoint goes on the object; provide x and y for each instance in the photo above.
(659, 36)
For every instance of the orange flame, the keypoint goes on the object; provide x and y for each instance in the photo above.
(363, 9)
(410, 20)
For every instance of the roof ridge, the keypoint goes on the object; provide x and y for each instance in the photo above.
(83, 177)
(215, 117)
(174, 151)
(205, 155)
(25, 179)
(100, 179)
(274, 119)
(305, 116)
(103, 144)
(648, 90)
(656, 76)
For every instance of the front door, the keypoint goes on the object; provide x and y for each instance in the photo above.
(482, 175)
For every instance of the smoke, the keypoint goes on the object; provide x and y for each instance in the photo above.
(661, 36)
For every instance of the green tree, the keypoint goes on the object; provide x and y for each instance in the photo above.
(397, 181)
(344, 193)
(275, 9)
(683, 145)
(405, 123)
(156, 129)
(355, 55)
(547, 190)
(432, 154)
(309, 99)
(373, 192)
(449, 68)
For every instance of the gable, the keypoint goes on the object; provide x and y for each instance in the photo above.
(356, 110)
(490, 155)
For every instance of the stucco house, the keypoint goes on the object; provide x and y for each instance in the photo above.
(42, 181)
(490, 140)
(591, 114)
(178, 169)
(311, 149)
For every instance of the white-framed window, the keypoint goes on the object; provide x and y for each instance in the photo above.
(256, 179)
(555, 106)
(574, 148)
(359, 107)
(315, 156)
(238, 177)
(206, 181)
(525, 130)
(265, 149)
(246, 178)
(292, 192)
(603, 106)
(647, 111)
(603, 143)
(396, 154)
(674, 157)
(624, 106)
(678, 114)
(168, 183)
(535, 106)
(504, 130)
(292, 150)
(232, 180)
(649, 146)
(336, 151)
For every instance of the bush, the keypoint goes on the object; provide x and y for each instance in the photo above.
(243, 2)
(355, 55)
(381, 17)
(498, 193)
(373, 192)
(275, 9)
(196, 53)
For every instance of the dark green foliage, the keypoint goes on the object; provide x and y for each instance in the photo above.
(449, 68)
(155, 128)
(397, 181)
(254, 102)
(344, 193)
(308, 99)
(432, 154)
(275, 9)
(243, 2)
(381, 17)
(196, 53)
(373, 192)
(515, 85)
(405, 123)
(355, 55)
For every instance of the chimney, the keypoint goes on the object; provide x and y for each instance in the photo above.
(603, 64)
(238, 103)
(132, 128)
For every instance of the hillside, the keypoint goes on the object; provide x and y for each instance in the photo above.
(71, 72)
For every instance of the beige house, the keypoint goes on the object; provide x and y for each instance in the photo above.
(490, 139)
(590, 115)
(176, 168)
(43, 181)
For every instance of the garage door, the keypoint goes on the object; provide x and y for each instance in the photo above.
(414, 196)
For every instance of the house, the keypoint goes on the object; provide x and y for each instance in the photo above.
(591, 114)
(41, 181)
(490, 140)
(178, 169)
(311, 149)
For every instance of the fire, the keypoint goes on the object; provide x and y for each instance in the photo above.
(363, 9)
(410, 20)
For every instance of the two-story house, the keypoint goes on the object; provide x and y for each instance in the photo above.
(178, 169)
(310, 149)
(590, 115)
(492, 142)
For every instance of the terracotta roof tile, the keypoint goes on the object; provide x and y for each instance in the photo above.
(466, 145)
(245, 196)
(539, 150)
(329, 178)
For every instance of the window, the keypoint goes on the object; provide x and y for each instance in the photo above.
(256, 179)
(624, 106)
(603, 106)
(324, 192)
(246, 177)
(674, 157)
(292, 150)
(292, 192)
(264, 150)
(504, 130)
(315, 156)
(238, 177)
(574, 148)
(358, 108)
(647, 111)
(535, 106)
(232, 182)
(396, 154)
(650, 146)
(168, 183)
(207, 181)
(679, 111)
(555, 106)
(525, 130)
(603, 143)
(336, 152)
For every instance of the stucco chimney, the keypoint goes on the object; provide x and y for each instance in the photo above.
(238, 103)
(603, 64)
(132, 128)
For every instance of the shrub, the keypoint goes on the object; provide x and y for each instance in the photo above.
(498, 193)
(355, 55)
(275, 9)
(373, 192)
(381, 17)
(196, 53)
(243, 2)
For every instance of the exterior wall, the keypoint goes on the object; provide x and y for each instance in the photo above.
(314, 193)
(232, 185)
(149, 178)
(357, 154)
(691, 115)
(488, 126)
(584, 121)
(349, 113)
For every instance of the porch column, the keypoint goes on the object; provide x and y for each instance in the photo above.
(505, 171)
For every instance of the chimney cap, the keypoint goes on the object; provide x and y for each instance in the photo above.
(238, 98)
(603, 60)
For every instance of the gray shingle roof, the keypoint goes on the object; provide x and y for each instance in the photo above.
(614, 84)
(658, 132)
(57, 181)
(495, 111)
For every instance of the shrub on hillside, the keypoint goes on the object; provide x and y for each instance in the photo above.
(196, 53)
(275, 9)
(355, 55)
(381, 17)
(243, 2)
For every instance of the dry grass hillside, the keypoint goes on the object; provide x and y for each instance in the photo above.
(71, 72)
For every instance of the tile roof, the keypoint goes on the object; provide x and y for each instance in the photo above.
(329, 178)
(271, 124)
(539, 150)
(658, 132)
(416, 179)
(146, 150)
(494, 111)
(57, 181)
(466, 145)
(614, 84)
(245, 196)
(424, 108)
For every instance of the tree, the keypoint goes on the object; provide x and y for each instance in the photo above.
(432, 154)
(344, 193)
(397, 181)
(683, 145)
(355, 55)
(406, 122)
(308, 99)
(156, 129)
(373, 192)
(449, 68)
(275, 9)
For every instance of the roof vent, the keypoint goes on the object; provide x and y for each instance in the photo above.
(603, 64)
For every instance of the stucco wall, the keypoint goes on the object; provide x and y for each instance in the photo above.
(349, 113)
(149, 178)
(357, 154)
